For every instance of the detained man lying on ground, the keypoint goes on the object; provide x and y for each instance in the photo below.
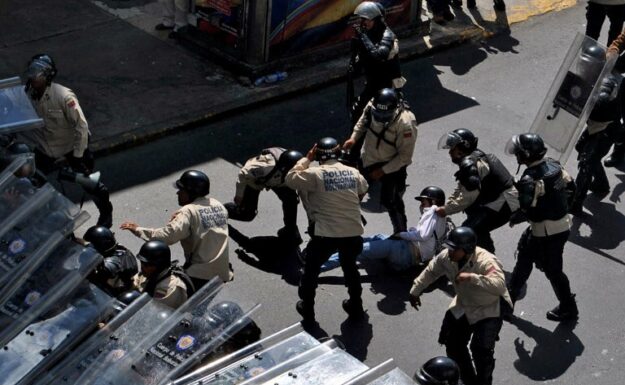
(406, 249)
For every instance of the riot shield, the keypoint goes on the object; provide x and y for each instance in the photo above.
(70, 368)
(15, 192)
(384, 374)
(572, 96)
(33, 231)
(52, 283)
(253, 360)
(45, 341)
(16, 111)
(172, 350)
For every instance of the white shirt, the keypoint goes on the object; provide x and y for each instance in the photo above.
(422, 237)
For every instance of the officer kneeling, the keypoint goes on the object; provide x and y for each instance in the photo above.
(163, 280)
(475, 313)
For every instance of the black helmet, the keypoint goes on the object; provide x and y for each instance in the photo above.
(287, 160)
(155, 253)
(224, 314)
(438, 371)
(327, 148)
(369, 10)
(194, 182)
(459, 137)
(526, 147)
(433, 193)
(461, 238)
(101, 238)
(384, 105)
(591, 62)
(129, 296)
(40, 65)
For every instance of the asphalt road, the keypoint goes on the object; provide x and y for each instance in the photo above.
(494, 88)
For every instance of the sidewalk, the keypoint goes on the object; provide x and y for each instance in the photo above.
(135, 84)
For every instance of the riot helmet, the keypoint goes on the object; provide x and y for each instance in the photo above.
(438, 371)
(101, 238)
(224, 314)
(591, 62)
(155, 253)
(194, 182)
(327, 148)
(385, 105)
(40, 66)
(526, 147)
(287, 160)
(461, 238)
(461, 137)
(129, 296)
(433, 193)
(369, 10)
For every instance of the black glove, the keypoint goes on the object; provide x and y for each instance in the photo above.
(78, 165)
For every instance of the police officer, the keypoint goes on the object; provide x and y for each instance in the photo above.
(390, 134)
(160, 278)
(333, 193)
(65, 134)
(115, 274)
(267, 171)
(544, 189)
(374, 51)
(485, 189)
(201, 227)
(438, 371)
(475, 313)
(28, 170)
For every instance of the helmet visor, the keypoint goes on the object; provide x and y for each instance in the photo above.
(449, 141)
(513, 146)
(36, 69)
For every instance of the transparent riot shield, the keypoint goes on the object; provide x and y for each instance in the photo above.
(53, 334)
(334, 367)
(72, 365)
(15, 192)
(46, 287)
(16, 111)
(170, 352)
(253, 360)
(384, 374)
(572, 96)
(33, 231)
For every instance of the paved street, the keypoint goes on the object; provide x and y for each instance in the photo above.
(493, 88)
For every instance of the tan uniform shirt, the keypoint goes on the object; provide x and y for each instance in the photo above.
(201, 228)
(255, 170)
(549, 227)
(170, 291)
(332, 192)
(462, 198)
(399, 143)
(477, 298)
(66, 129)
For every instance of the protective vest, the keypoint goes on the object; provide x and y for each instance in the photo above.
(552, 205)
(496, 182)
(175, 270)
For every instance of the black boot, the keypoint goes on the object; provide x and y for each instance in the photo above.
(290, 235)
(617, 156)
(306, 311)
(353, 309)
(565, 311)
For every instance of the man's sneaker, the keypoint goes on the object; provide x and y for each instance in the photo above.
(355, 312)
(614, 160)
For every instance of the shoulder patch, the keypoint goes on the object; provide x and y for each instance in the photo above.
(71, 103)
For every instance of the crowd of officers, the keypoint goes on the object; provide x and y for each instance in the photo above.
(330, 181)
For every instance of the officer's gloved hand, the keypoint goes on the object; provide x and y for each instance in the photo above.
(78, 165)
(607, 88)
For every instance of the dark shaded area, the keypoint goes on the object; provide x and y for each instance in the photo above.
(269, 254)
(619, 189)
(356, 336)
(553, 354)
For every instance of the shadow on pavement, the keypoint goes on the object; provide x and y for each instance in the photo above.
(356, 336)
(553, 354)
(269, 254)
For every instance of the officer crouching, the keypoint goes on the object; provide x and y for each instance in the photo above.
(163, 280)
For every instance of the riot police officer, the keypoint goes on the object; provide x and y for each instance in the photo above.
(374, 51)
(65, 135)
(485, 189)
(544, 189)
(201, 227)
(267, 171)
(603, 128)
(438, 371)
(475, 314)
(390, 133)
(163, 280)
(115, 274)
(333, 192)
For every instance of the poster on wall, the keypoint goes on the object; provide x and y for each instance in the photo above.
(299, 25)
(221, 19)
